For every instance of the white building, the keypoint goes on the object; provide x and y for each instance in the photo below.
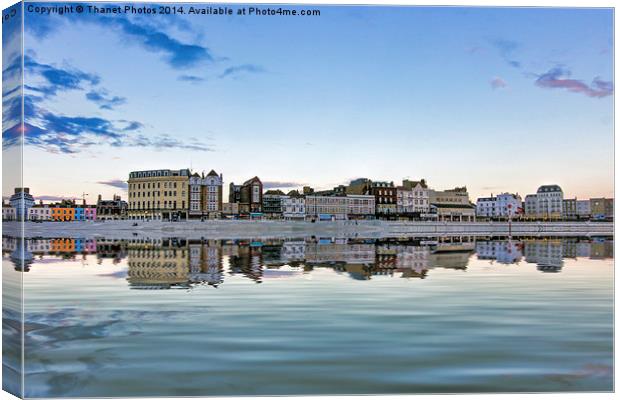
(412, 197)
(531, 205)
(293, 207)
(508, 204)
(39, 212)
(547, 200)
(8, 213)
(501, 206)
(486, 207)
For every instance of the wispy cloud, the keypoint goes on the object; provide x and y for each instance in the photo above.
(281, 185)
(58, 79)
(69, 134)
(506, 49)
(65, 134)
(13, 70)
(242, 69)
(117, 183)
(474, 49)
(148, 34)
(176, 53)
(191, 78)
(46, 197)
(556, 78)
(559, 78)
(104, 100)
(165, 142)
(498, 83)
(75, 126)
(132, 126)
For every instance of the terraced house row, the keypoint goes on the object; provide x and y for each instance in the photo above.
(22, 206)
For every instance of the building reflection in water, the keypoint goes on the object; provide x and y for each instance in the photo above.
(181, 263)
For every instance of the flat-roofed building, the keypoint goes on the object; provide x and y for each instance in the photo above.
(326, 207)
(8, 212)
(40, 212)
(230, 209)
(360, 206)
(569, 209)
(273, 203)
(501, 206)
(452, 205)
(583, 209)
(531, 206)
(602, 208)
(385, 197)
(159, 194)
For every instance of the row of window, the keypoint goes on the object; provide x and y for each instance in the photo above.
(408, 193)
(136, 205)
(416, 201)
(171, 193)
(155, 185)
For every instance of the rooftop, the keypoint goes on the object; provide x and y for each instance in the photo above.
(549, 188)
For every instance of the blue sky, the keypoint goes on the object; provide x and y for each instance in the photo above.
(495, 99)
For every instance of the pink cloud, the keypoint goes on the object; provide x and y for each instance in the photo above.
(498, 83)
(559, 78)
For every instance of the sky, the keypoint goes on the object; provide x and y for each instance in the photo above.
(495, 99)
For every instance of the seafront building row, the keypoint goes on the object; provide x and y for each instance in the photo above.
(175, 195)
(547, 204)
(22, 205)
(181, 194)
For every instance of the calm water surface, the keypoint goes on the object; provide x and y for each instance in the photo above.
(312, 316)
